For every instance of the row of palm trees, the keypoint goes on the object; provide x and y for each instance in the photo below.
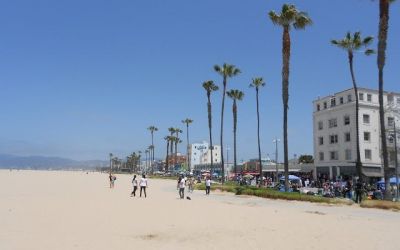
(291, 18)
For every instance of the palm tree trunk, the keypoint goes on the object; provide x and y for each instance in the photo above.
(358, 157)
(258, 136)
(383, 30)
(166, 159)
(187, 146)
(234, 109)
(285, 98)
(209, 128)
(176, 149)
(222, 131)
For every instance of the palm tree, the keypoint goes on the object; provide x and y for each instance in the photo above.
(352, 43)
(288, 18)
(235, 95)
(226, 71)
(147, 152)
(152, 129)
(168, 140)
(258, 83)
(383, 31)
(209, 86)
(172, 131)
(187, 121)
(111, 155)
(177, 140)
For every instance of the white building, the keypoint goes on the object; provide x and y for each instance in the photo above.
(199, 153)
(334, 132)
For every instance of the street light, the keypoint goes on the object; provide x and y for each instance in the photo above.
(394, 136)
(276, 156)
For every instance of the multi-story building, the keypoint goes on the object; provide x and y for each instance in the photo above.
(200, 153)
(335, 132)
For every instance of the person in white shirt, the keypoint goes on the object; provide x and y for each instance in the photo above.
(135, 185)
(181, 187)
(208, 185)
(143, 185)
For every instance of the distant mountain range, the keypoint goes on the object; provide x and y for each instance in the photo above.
(43, 162)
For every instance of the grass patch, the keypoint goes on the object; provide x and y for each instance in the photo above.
(388, 205)
(273, 194)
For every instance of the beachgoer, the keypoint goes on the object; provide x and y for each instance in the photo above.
(190, 184)
(143, 185)
(135, 185)
(112, 180)
(181, 187)
(208, 186)
(359, 189)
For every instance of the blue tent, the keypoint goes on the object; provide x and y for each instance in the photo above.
(291, 178)
(392, 181)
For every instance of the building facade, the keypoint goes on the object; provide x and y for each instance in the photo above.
(334, 132)
(200, 154)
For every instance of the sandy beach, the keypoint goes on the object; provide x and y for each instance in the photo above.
(74, 210)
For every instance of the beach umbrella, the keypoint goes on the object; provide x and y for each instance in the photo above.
(291, 178)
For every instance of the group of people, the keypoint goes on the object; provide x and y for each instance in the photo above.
(184, 181)
(143, 184)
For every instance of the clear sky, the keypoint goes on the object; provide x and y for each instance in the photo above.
(80, 79)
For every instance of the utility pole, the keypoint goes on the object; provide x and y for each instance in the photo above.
(395, 160)
(276, 157)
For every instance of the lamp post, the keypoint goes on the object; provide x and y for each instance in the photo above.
(395, 160)
(276, 157)
(227, 161)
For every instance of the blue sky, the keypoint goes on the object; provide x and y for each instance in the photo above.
(80, 79)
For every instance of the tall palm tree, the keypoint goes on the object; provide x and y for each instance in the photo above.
(172, 131)
(152, 129)
(226, 71)
(187, 121)
(177, 141)
(210, 87)
(288, 17)
(151, 150)
(147, 152)
(352, 43)
(383, 31)
(111, 155)
(258, 83)
(235, 95)
(168, 140)
(139, 156)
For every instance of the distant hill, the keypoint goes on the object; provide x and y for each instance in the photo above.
(43, 162)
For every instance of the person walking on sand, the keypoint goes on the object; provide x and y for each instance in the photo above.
(208, 185)
(143, 185)
(181, 187)
(112, 180)
(135, 185)
(359, 190)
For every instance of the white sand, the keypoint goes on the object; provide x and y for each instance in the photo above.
(74, 210)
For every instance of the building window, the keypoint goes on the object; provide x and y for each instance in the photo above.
(318, 107)
(320, 125)
(391, 138)
(321, 156)
(321, 140)
(333, 102)
(366, 118)
(334, 155)
(332, 123)
(367, 136)
(347, 137)
(341, 100)
(369, 97)
(333, 139)
(361, 96)
(348, 154)
(349, 98)
(390, 121)
(346, 120)
(325, 105)
(368, 155)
